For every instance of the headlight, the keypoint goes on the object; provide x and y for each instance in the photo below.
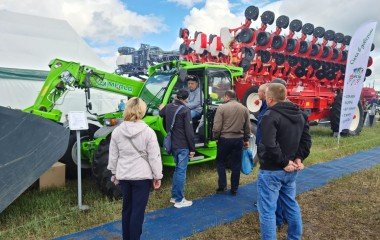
(67, 78)
(110, 121)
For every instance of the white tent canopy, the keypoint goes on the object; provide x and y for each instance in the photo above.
(27, 45)
(30, 42)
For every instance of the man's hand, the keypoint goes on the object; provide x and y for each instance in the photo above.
(291, 167)
(246, 144)
(299, 164)
(191, 154)
(156, 184)
(161, 106)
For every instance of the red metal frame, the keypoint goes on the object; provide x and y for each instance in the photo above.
(310, 93)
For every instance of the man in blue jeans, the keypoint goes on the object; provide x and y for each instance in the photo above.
(285, 143)
(183, 144)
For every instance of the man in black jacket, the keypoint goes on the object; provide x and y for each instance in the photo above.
(183, 145)
(285, 143)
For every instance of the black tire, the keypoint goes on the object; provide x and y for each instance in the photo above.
(335, 118)
(278, 42)
(251, 90)
(248, 52)
(319, 32)
(102, 174)
(280, 59)
(308, 29)
(252, 13)
(291, 45)
(315, 50)
(67, 159)
(263, 38)
(300, 72)
(295, 25)
(330, 35)
(183, 49)
(292, 60)
(326, 51)
(339, 37)
(347, 40)
(282, 21)
(304, 46)
(265, 56)
(245, 35)
(267, 17)
(245, 64)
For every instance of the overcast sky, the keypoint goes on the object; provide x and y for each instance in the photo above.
(108, 24)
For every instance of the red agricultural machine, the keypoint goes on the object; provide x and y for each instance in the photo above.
(310, 59)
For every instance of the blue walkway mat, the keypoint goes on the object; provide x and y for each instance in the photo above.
(172, 223)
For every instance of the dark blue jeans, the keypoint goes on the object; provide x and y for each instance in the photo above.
(229, 149)
(181, 158)
(135, 198)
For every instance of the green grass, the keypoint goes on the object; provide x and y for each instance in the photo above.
(52, 213)
(346, 208)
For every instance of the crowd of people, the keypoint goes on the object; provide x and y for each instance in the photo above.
(283, 142)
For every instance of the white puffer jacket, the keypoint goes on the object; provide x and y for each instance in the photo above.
(125, 162)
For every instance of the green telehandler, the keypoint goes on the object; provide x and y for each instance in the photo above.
(160, 88)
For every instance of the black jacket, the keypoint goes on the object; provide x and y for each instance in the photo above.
(285, 136)
(182, 133)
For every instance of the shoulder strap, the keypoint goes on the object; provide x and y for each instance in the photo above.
(175, 114)
(141, 153)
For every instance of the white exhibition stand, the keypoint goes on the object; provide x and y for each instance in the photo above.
(78, 122)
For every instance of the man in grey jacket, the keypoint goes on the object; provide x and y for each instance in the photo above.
(195, 100)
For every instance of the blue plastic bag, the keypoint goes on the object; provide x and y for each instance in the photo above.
(247, 156)
(247, 163)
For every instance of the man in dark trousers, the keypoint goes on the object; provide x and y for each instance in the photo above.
(232, 130)
(183, 145)
(285, 143)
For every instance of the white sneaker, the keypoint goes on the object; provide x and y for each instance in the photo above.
(172, 200)
(183, 203)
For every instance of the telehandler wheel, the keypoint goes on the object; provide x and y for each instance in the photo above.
(102, 174)
(356, 124)
(67, 159)
(251, 100)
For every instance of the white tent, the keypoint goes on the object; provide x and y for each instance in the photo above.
(27, 45)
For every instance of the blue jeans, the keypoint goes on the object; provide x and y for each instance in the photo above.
(181, 158)
(195, 114)
(271, 186)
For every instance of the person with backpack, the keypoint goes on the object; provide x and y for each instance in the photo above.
(135, 163)
(178, 122)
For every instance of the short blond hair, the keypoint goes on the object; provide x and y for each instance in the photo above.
(135, 109)
(277, 91)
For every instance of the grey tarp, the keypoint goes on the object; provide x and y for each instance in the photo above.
(29, 145)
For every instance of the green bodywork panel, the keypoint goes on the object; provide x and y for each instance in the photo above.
(157, 90)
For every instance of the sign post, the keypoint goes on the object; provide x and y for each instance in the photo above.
(357, 61)
(78, 122)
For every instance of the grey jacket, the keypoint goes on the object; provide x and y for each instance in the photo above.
(195, 100)
(125, 162)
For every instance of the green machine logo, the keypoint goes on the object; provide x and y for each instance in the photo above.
(104, 84)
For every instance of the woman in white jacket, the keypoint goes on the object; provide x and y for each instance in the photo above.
(135, 162)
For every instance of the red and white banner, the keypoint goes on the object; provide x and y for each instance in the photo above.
(357, 61)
